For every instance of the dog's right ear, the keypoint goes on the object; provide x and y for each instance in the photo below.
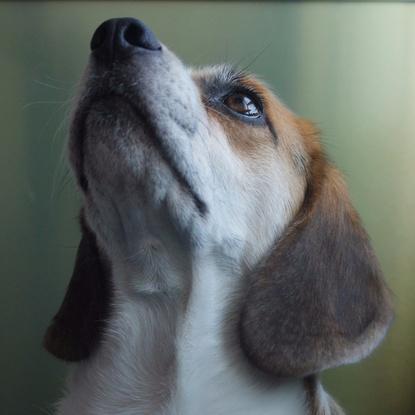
(77, 328)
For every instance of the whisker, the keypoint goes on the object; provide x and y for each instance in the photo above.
(42, 83)
(256, 57)
(30, 104)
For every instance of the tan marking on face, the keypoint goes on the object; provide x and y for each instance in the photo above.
(250, 141)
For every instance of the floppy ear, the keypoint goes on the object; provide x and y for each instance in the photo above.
(319, 300)
(76, 329)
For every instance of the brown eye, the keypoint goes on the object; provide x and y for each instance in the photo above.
(242, 104)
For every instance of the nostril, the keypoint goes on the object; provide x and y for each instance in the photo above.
(99, 38)
(133, 34)
(138, 35)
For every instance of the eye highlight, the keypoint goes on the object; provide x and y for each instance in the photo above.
(243, 104)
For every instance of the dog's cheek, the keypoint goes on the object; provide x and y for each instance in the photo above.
(276, 194)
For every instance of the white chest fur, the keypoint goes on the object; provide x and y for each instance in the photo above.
(209, 379)
(157, 361)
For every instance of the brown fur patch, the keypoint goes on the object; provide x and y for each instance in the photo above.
(281, 134)
(248, 141)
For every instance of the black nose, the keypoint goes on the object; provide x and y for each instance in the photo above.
(117, 39)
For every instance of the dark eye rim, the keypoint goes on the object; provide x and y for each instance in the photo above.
(219, 103)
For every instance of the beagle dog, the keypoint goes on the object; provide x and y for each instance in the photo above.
(222, 266)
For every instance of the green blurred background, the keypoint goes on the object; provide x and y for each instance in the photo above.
(349, 67)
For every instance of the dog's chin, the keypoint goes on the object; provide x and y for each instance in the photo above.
(121, 151)
(132, 190)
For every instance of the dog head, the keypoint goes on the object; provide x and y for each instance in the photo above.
(210, 160)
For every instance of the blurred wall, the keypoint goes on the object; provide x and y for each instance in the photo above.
(349, 67)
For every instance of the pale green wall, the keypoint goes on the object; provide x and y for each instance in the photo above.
(350, 67)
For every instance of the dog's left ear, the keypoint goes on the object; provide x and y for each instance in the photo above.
(319, 299)
(77, 328)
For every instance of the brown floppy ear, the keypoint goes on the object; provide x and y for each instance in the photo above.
(319, 300)
(77, 328)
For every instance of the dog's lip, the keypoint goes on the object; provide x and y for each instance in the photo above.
(78, 134)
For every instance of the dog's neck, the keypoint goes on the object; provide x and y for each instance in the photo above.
(165, 351)
(212, 376)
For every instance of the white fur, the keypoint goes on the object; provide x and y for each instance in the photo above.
(209, 381)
